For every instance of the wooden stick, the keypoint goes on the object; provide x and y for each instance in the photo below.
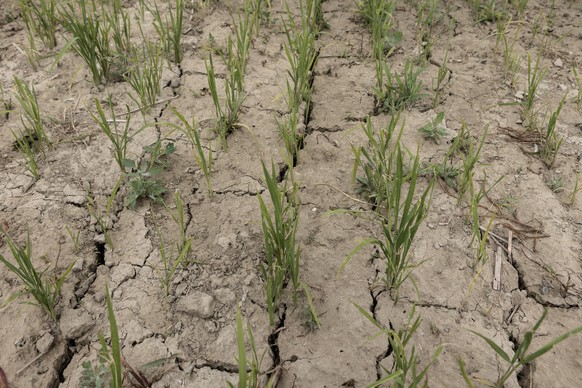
(497, 273)
(509, 245)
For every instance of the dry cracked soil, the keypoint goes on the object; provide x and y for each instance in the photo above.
(194, 328)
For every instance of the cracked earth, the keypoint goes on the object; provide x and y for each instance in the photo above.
(194, 327)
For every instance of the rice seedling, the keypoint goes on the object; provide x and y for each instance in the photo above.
(437, 84)
(91, 39)
(511, 60)
(118, 139)
(403, 372)
(433, 130)
(30, 116)
(522, 355)
(376, 160)
(301, 55)
(45, 291)
(227, 117)
(486, 10)
(465, 178)
(169, 29)
(120, 24)
(23, 145)
(249, 371)
(172, 261)
(179, 219)
(577, 188)
(101, 219)
(520, 7)
(144, 74)
(292, 139)
(192, 133)
(427, 14)
(74, 238)
(535, 75)
(578, 97)
(243, 30)
(142, 175)
(282, 252)
(399, 91)
(40, 19)
(110, 367)
(399, 219)
(376, 11)
(551, 141)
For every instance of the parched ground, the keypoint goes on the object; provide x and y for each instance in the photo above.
(194, 328)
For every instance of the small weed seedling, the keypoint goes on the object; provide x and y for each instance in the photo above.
(46, 292)
(142, 181)
(30, 117)
(282, 252)
(551, 141)
(433, 130)
(522, 356)
(192, 133)
(556, 185)
(110, 128)
(403, 372)
(399, 91)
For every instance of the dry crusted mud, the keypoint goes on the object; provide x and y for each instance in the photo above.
(195, 328)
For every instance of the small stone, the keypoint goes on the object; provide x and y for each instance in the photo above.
(78, 266)
(121, 273)
(45, 342)
(225, 296)
(558, 63)
(431, 226)
(75, 323)
(519, 94)
(198, 304)
(563, 87)
(249, 280)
